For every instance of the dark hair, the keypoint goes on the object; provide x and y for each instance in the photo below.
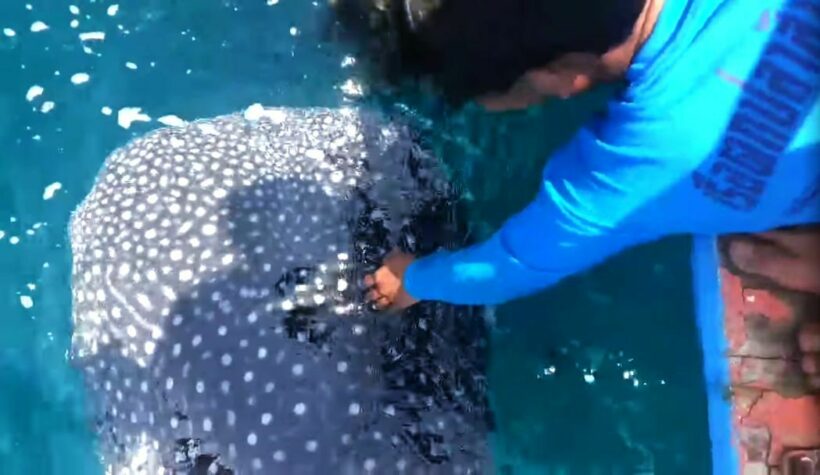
(471, 47)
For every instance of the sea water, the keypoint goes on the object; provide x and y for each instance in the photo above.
(599, 375)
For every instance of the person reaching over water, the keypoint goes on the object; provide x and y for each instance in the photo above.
(714, 131)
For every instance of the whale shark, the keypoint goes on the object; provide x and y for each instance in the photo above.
(219, 323)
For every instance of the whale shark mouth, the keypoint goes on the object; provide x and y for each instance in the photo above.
(218, 320)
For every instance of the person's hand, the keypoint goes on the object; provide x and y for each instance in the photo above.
(809, 343)
(387, 283)
(777, 378)
(523, 94)
(790, 259)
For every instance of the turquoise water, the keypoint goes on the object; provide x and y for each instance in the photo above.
(563, 385)
(601, 374)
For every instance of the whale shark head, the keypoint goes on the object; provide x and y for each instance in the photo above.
(218, 320)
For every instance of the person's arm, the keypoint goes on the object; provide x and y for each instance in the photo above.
(586, 210)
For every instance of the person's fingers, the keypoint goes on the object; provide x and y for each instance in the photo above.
(755, 257)
(541, 81)
(501, 103)
(811, 364)
(809, 338)
(519, 96)
(382, 273)
(369, 281)
(797, 242)
(373, 295)
(772, 262)
(382, 303)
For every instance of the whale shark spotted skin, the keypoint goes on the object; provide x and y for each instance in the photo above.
(218, 320)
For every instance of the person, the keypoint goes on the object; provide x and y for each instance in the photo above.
(715, 130)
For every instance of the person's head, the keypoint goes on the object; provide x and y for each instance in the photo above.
(471, 49)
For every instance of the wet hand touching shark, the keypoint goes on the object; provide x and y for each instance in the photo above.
(386, 289)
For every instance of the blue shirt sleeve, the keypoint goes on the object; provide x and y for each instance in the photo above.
(709, 136)
(584, 212)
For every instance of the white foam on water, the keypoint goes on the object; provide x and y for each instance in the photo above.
(106, 110)
(172, 121)
(51, 190)
(34, 92)
(74, 9)
(80, 78)
(47, 107)
(92, 36)
(131, 65)
(128, 115)
(352, 88)
(257, 112)
(9, 32)
(38, 26)
(26, 301)
(113, 10)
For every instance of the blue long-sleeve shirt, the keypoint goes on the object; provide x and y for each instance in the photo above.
(717, 132)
